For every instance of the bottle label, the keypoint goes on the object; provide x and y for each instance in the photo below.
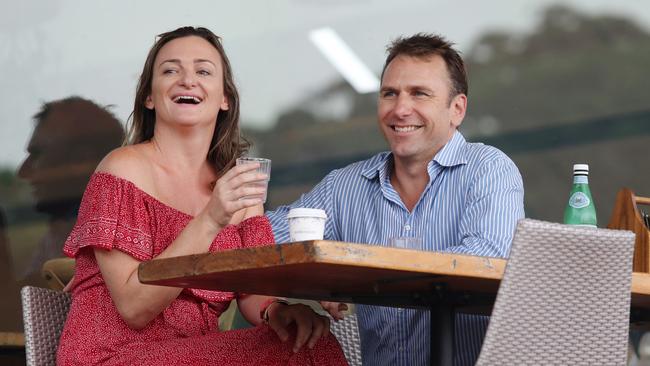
(579, 200)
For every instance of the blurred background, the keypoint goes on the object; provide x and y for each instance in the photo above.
(552, 83)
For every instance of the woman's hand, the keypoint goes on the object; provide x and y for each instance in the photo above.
(310, 327)
(234, 191)
(335, 309)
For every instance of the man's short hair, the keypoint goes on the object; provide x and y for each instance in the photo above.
(425, 45)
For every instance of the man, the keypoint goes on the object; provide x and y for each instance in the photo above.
(70, 137)
(458, 197)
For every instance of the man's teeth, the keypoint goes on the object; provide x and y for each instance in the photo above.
(405, 128)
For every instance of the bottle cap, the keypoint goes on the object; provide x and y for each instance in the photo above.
(581, 169)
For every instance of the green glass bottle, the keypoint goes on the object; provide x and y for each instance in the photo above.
(580, 210)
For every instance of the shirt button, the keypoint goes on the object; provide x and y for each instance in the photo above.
(407, 227)
(401, 349)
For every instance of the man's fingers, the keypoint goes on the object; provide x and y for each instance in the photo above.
(335, 309)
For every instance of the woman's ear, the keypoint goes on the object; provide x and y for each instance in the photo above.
(148, 103)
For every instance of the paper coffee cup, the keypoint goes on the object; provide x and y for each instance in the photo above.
(306, 224)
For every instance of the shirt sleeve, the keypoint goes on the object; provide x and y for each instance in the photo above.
(319, 197)
(495, 203)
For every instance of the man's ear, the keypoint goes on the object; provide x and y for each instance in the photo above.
(148, 103)
(458, 107)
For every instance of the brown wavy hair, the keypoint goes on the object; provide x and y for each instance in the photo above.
(227, 143)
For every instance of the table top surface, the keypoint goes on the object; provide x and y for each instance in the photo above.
(347, 272)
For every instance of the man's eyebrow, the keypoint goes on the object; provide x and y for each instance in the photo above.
(419, 87)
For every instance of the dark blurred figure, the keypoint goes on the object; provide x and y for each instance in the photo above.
(8, 285)
(71, 136)
(10, 353)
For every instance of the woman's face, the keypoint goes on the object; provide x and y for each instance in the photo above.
(187, 84)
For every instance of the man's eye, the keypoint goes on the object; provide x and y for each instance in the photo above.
(388, 94)
(419, 93)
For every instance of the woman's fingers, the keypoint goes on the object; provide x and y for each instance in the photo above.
(304, 329)
(320, 327)
(239, 169)
(310, 327)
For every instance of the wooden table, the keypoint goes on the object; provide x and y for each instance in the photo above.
(357, 273)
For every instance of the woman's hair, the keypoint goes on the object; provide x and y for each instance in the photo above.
(227, 144)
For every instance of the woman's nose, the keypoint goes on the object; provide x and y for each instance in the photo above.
(188, 80)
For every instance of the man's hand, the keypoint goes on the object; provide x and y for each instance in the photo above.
(310, 327)
(335, 309)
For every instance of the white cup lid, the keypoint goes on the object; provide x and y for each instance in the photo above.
(306, 212)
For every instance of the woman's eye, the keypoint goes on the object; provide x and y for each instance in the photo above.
(204, 72)
(169, 71)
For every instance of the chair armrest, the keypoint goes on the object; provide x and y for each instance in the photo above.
(58, 272)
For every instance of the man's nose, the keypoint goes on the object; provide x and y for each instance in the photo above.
(403, 106)
(25, 168)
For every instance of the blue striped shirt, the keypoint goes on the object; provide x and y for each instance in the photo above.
(471, 205)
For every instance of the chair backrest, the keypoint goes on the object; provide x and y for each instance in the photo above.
(564, 298)
(44, 313)
(347, 333)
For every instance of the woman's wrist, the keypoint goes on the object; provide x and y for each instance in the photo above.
(265, 308)
(207, 222)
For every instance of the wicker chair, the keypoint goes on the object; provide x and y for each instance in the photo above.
(564, 298)
(347, 333)
(44, 313)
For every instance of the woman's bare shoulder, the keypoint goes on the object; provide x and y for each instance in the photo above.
(127, 162)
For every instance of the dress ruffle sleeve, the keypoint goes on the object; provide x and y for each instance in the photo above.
(255, 231)
(112, 215)
(252, 232)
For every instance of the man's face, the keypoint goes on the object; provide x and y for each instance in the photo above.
(415, 112)
(55, 167)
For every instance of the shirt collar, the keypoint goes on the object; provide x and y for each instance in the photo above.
(450, 155)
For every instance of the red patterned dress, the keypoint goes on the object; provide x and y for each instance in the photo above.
(115, 214)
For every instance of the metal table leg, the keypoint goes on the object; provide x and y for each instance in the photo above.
(442, 335)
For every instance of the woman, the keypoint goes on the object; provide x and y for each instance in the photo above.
(174, 190)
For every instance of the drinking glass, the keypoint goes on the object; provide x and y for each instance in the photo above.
(405, 242)
(265, 167)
